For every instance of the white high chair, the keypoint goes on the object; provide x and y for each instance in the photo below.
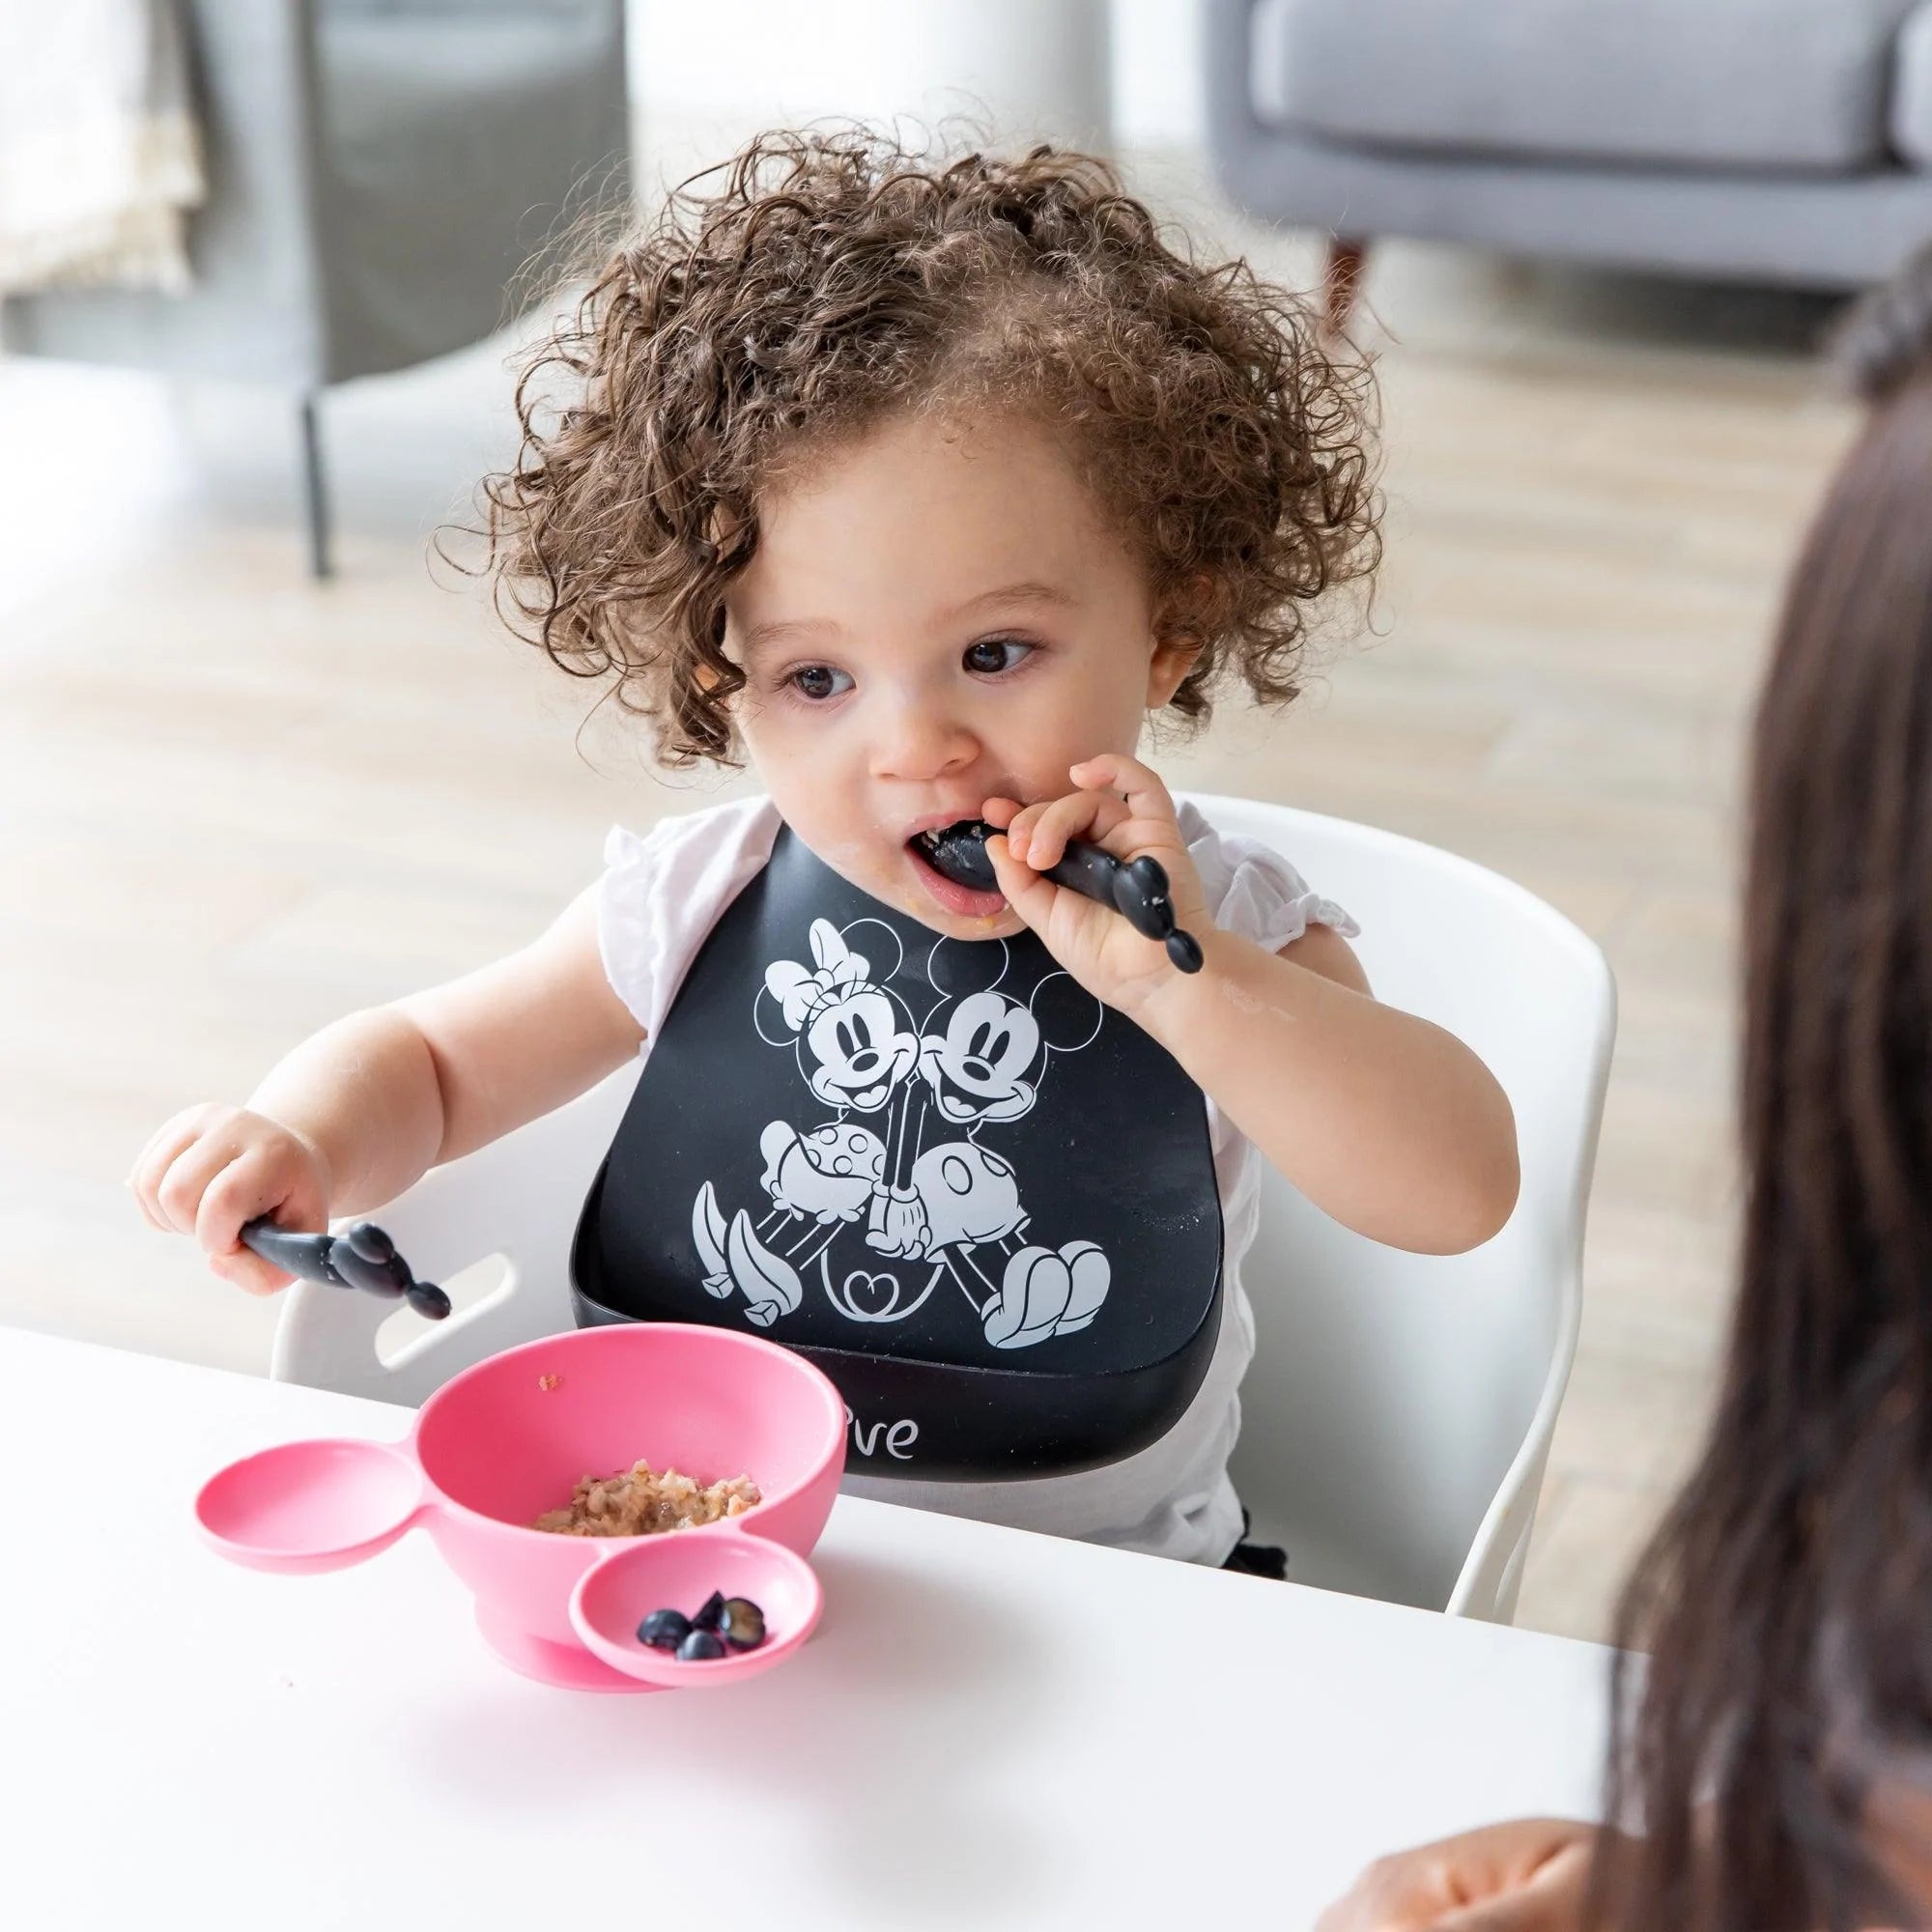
(1398, 1414)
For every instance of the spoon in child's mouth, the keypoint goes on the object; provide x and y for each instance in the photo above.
(1137, 889)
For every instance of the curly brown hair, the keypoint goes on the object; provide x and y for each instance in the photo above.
(832, 279)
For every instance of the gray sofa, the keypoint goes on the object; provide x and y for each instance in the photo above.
(379, 171)
(1785, 141)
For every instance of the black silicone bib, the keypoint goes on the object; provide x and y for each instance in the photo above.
(980, 1201)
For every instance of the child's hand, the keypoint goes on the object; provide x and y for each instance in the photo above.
(213, 1168)
(1123, 807)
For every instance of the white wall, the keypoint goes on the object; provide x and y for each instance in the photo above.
(1157, 73)
(709, 70)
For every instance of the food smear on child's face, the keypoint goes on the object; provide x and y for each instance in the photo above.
(937, 614)
(640, 1501)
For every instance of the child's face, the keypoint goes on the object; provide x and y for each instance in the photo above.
(935, 616)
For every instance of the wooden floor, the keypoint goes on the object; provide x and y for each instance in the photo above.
(234, 804)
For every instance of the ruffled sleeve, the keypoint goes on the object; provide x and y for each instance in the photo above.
(1253, 890)
(662, 893)
(630, 933)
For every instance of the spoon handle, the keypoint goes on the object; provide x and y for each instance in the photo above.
(297, 1254)
(364, 1258)
(1137, 889)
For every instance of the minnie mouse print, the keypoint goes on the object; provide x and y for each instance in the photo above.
(924, 1188)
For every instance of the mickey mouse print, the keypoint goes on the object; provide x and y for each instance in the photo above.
(938, 1167)
(899, 1192)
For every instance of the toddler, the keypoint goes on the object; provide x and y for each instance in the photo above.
(925, 488)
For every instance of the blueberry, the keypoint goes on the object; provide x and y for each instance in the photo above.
(712, 1614)
(702, 1646)
(663, 1630)
(743, 1625)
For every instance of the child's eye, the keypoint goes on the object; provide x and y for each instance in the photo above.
(996, 654)
(818, 682)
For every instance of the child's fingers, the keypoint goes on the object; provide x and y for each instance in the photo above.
(155, 1159)
(1039, 834)
(247, 1186)
(1139, 785)
(1021, 822)
(251, 1184)
(151, 1213)
(1006, 814)
(186, 1179)
(1029, 895)
(245, 1270)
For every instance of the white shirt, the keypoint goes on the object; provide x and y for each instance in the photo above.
(659, 899)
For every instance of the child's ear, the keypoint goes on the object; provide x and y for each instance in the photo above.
(1174, 657)
(1177, 646)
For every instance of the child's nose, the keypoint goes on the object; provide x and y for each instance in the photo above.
(920, 741)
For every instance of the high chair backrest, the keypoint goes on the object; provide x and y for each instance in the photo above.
(1398, 1414)
(514, 1203)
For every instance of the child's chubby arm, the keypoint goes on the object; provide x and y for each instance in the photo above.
(357, 1113)
(1383, 1120)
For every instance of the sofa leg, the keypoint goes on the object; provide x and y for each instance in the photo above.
(315, 491)
(1341, 279)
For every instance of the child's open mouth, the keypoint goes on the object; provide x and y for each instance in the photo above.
(945, 857)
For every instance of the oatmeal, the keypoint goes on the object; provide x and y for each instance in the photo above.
(642, 1501)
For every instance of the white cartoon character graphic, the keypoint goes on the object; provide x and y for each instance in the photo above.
(849, 1028)
(855, 1049)
(977, 1069)
(952, 1207)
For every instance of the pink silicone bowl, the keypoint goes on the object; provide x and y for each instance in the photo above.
(503, 1442)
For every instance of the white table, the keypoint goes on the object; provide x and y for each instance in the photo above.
(990, 1729)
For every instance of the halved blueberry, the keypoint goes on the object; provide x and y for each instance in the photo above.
(663, 1630)
(702, 1646)
(712, 1614)
(743, 1624)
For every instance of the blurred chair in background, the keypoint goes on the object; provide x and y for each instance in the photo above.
(99, 154)
(1782, 141)
(377, 173)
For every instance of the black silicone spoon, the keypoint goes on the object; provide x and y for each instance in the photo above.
(1135, 888)
(364, 1257)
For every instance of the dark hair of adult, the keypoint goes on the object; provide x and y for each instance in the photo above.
(1786, 1601)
